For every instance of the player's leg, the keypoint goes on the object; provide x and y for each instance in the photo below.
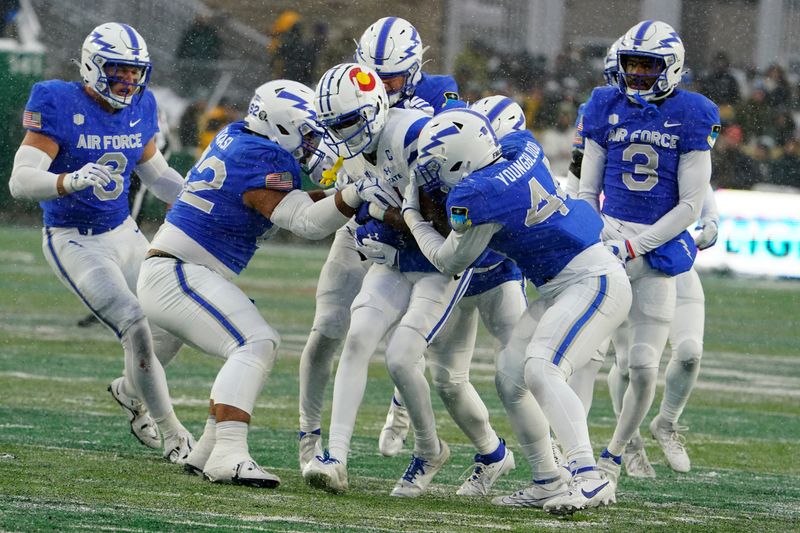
(339, 282)
(212, 314)
(686, 341)
(582, 380)
(380, 303)
(582, 315)
(649, 321)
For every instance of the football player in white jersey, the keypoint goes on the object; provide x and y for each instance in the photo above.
(648, 150)
(409, 301)
(392, 48)
(246, 181)
(83, 140)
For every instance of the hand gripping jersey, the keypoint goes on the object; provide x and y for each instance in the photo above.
(210, 209)
(87, 133)
(643, 147)
(542, 228)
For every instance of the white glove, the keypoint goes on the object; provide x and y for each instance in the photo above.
(708, 234)
(90, 175)
(622, 249)
(415, 102)
(377, 252)
(411, 194)
(377, 191)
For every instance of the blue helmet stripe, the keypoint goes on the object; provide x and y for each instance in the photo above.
(132, 36)
(380, 50)
(497, 109)
(639, 37)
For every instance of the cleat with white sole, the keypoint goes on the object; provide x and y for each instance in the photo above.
(672, 443)
(326, 473)
(238, 469)
(538, 493)
(583, 493)
(178, 447)
(309, 446)
(143, 427)
(419, 473)
(610, 465)
(635, 459)
(395, 430)
(484, 474)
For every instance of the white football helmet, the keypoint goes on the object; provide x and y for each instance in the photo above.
(283, 112)
(109, 45)
(656, 40)
(453, 145)
(392, 47)
(504, 114)
(351, 105)
(611, 65)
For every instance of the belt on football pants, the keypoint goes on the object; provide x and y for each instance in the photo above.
(152, 252)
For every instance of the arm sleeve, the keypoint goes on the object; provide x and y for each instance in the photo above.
(455, 253)
(30, 179)
(694, 175)
(298, 213)
(160, 178)
(709, 210)
(592, 167)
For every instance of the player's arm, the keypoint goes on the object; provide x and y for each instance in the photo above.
(592, 168)
(31, 179)
(163, 181)
(694, 176)
(297, 212)
(709, 221)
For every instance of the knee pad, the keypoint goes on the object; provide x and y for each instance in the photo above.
(444, 378)
(688, 352)
(332, 319)
(239, 382)
(644, 378)
(643, 356)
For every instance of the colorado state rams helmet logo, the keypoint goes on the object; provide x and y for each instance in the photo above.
(363, 80)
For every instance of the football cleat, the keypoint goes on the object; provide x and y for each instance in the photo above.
(635, 459)
(309, 445)
(672, 443)
(558, 455)
(610, 465)
(484, 474)
(419, 473)
(538, 493)
(178, 447)
(583, 493)
(238, 469)
(196, 460)
(395, 430)
(143, 427)
(326, 473)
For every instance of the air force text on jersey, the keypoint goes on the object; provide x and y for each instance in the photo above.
(108, 142)
(657, 138)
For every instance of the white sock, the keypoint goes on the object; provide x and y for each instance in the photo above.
(231, 438)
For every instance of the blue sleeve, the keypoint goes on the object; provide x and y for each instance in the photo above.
(272, 168)
(41, 113)
(702, 126)
(593, 127)
(514, 142)
(150, 112)
(464, 207)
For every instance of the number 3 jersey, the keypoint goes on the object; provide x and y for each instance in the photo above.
(643, 148)
(87, 133)
(542, 228)
(211, 209)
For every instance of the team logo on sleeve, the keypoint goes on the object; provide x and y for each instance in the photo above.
(363, 80)
(450, 95)
(281, 181)
(712, 137)
(32, 119)
(459, 218)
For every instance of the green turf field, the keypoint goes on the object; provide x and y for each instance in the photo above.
(67, 461)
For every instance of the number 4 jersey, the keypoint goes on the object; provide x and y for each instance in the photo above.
(643, 148)
(87, 133)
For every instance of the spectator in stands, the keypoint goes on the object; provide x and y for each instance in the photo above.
(754, 115)
(8, 15)
(188, 127)
(291, 55)
(211, 121)
(785, 169)
(720, 85)
(200, 48)
(733, 169)
(776, 86)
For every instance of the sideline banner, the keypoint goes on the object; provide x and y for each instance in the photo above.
(759, 234)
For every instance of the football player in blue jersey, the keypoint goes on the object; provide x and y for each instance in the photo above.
(647, 149)
(511, 204)
(406, 302)
(246, 181)
(83, 140)
(392, 47)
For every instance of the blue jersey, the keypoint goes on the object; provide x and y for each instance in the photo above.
(578, 141)
(643, 147)
(438, 90)
(87, 133)
(211, 209)
(542, 229)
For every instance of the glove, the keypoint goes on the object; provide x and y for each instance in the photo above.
(377, 252)
(622, 249)
(376, 191)
(415, 102)
(708, 234)
(90, 175)
(411, 194)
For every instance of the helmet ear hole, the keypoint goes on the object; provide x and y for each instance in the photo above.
(283, 130)
(457, 166)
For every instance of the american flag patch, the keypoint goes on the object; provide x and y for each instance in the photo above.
(282, 181)
(32, 119)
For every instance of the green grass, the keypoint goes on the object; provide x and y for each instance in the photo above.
(67, 461)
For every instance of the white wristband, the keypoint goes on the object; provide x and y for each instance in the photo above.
(377, 212)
